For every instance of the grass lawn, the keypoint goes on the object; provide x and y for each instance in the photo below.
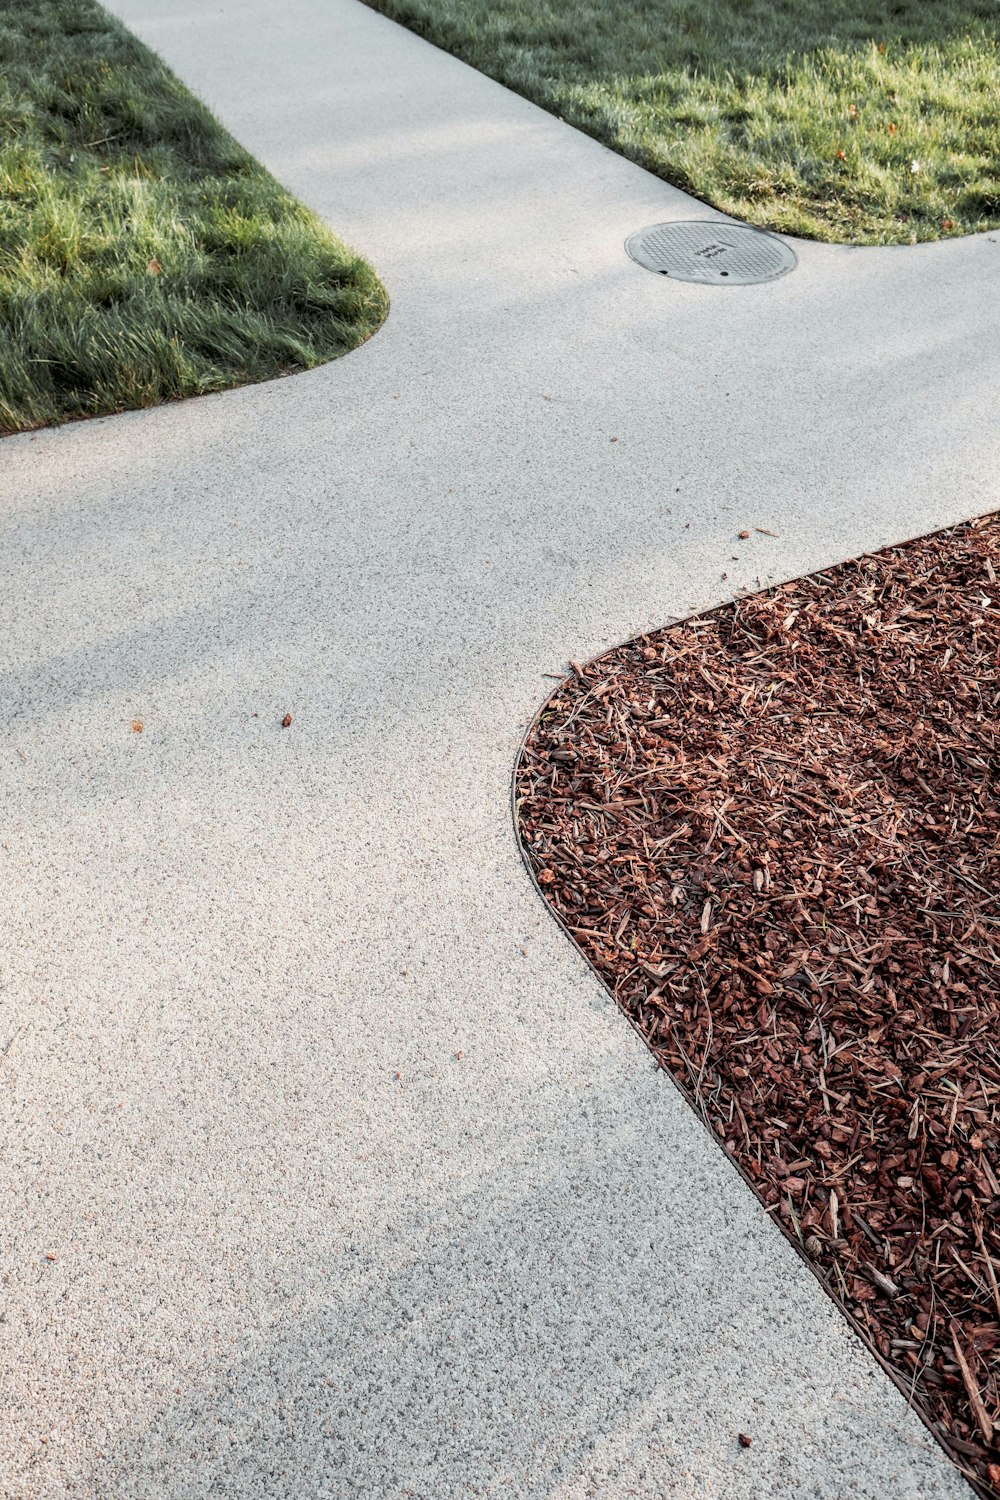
(144, 255)
(849, 120)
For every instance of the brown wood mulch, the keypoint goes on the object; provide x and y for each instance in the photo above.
(775, 831)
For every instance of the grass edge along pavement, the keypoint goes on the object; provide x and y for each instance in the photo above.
(773, 831)
(145, 256)
(825, 119)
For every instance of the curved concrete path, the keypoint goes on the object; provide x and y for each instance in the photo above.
(328, 1169)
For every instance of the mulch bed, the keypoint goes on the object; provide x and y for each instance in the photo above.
(775, 832)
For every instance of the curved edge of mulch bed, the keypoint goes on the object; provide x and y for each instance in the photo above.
(986, 1490)
(690, 1099)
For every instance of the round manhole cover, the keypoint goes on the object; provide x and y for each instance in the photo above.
(715, 252)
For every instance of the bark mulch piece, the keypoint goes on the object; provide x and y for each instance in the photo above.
(774, 830)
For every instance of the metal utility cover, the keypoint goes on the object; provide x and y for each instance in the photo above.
(709, 251)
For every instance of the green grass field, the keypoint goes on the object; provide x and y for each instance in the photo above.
(144, 255)
(857, 121)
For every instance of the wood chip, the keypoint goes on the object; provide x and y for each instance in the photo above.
(982, 1417)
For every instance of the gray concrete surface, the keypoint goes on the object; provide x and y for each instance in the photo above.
(328, 1169)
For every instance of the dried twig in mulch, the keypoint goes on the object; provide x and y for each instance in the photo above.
(775, 832)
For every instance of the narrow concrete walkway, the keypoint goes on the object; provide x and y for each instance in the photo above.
(328, 1169)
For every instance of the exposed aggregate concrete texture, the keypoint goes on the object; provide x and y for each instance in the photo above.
(328, 1169)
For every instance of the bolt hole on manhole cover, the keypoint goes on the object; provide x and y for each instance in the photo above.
(711, 252)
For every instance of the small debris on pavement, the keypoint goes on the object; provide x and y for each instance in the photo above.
(744, 1441)
(286, 721)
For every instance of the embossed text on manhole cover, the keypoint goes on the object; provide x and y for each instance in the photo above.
(711, 251)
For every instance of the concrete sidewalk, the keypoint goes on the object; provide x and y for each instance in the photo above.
(353, 1181)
